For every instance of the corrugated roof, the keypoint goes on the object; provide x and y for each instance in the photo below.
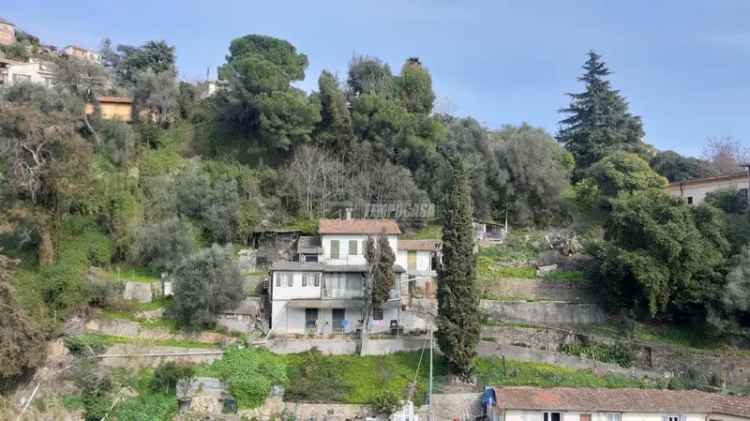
(359, 226)
(419, 245)
(620, 400)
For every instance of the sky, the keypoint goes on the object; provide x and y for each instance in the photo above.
(684, 66)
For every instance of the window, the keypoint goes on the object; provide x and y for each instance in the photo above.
(552, 416)
(278, 280)
(334, 249)
(614, 417)
(311, 318)
(411, 260)
(304, 279)
(317, 280)
(19, 78)
(290, 279)
(311, 258)
(690, 200)
(377, 314)
(352, 247)
(584, 417)
(673, 418)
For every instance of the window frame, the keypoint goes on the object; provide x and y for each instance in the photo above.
(378, 313)
(290, 279)
(353, 247)
(316, 279)
(337, 255)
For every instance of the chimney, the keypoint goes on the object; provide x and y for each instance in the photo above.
(348, 213)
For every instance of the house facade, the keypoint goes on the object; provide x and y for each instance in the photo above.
(322, 292)
(585, 404)
(82, 53)
(14, 72)
(418, 258)
(7, 32)
(694, 191)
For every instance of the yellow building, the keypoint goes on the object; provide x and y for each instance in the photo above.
(7, 32)
(114, 108)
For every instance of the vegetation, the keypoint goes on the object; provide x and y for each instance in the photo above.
(205, 285)
(458, 318)
(618, 353)
(250, 373)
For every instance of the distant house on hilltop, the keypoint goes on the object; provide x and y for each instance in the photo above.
(7, 32)
(694, 191)
(82, 53)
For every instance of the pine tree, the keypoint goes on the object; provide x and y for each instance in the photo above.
(598, 120)
(458, 318)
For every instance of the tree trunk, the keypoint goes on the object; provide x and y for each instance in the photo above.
(46, 246)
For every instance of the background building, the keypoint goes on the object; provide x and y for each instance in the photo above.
(694, 191)
(7, 32)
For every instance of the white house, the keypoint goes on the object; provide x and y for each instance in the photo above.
(15, 72)
(694, 191)
(323, 292)
(585, 404)
(417, 257)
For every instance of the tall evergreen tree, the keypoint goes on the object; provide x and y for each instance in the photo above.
(335, 127)
(458, 318)
(598, 118)
(379, 282)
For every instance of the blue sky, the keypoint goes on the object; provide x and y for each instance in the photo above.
(683, 65)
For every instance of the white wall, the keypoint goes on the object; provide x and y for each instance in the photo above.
(424, 260)
(698, 191)
(344, 257)
(36, 72)
(291, 320)
(282, 291)
(516, 415)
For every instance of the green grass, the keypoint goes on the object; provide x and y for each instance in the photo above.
(489, 269)
(428, 232)
(566, 275)
(108, 340)
(131, 273)
(504, 372)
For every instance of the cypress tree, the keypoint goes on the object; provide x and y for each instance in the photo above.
(598, 119)
(458, 318)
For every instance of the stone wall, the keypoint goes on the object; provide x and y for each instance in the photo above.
(538, 289)
(134, 356)
(545, 313)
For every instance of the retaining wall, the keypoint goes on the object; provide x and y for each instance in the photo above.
(343, 346)
(539, 289)
(545, 313)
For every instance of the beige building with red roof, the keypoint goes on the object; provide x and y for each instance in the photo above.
(587, 404)
(694, 191)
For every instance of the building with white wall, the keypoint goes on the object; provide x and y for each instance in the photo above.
(694, 191)
(417, 257)
(14, 72)
(586, 404)
(323, 291)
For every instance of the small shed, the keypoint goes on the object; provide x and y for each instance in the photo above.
(205, 395)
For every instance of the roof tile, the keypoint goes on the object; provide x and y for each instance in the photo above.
(359, 226)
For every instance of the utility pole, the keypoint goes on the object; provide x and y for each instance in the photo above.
(429, 395)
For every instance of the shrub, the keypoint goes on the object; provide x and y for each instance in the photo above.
(84, 345)
(95, 386)
(317, 379)
(385, 403)
(168, 374)
(152, 407)
(162, 246)
(250, 373)
(205, 285)
(619, 353)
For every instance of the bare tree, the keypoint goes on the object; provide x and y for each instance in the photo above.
(726, 153)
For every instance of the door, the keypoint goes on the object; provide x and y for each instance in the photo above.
(311, 318)
(339, 315)
(411, 260)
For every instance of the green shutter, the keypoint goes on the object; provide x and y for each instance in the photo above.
(352, 247)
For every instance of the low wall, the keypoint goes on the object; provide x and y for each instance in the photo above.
(138, 356)
(546, 313)
(538, 289)
(534, 355)
(343, 346)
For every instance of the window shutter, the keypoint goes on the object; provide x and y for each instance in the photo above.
(334, 249)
